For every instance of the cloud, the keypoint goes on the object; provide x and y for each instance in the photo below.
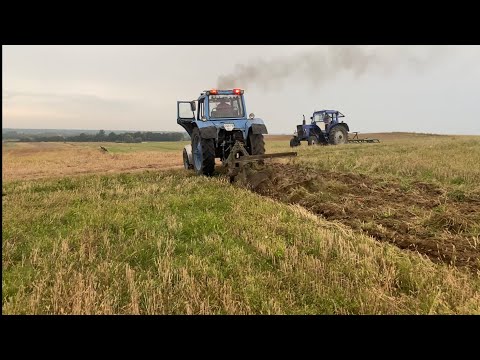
(63, 109)
(72, 98)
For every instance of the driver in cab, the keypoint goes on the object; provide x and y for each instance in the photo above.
(224, 109)
(327, 120)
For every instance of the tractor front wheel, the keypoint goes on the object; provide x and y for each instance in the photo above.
(338, 135)
(203, 154)
(294, 142)
(186, 162)
(312, 140)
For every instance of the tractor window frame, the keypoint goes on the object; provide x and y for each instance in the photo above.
(181, 107)
(232, 98)
(201, 109)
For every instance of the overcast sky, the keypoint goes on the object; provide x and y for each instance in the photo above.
(434, 89)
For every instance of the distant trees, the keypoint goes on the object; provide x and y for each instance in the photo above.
(128, 138)
(31, 138)
(81, 137)
(112, 137)
(101, 136)
(10, 135)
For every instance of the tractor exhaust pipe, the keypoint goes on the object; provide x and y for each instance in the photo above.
(304, 122)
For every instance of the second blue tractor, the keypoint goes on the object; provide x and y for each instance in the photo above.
(334, 131)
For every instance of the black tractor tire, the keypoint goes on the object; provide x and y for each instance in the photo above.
(312, 140)
(186, 163)
(338, 135)
(256, 144)
(294, 142)
(203, 154)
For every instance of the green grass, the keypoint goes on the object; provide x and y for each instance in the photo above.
(173, 243)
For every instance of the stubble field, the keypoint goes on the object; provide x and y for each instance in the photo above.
(360, 228)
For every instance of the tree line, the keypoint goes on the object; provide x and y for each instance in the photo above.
(101, 136)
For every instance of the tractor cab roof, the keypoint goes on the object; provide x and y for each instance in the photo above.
(235, 91)
(329, 112)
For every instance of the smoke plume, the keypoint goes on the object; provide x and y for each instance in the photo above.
(324, 63)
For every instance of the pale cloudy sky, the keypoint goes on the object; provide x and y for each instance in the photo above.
(433, 89)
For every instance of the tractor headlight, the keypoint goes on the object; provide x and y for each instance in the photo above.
(251, 116)
(229, 127)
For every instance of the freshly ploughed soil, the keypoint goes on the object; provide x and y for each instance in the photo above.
(416, 216)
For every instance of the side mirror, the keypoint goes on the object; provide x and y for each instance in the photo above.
(193, 106)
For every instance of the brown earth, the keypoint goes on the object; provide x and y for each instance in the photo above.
(278, 137)
(419, 217)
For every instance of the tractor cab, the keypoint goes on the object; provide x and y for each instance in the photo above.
(226, 106)
(327, 117)
(215, 109)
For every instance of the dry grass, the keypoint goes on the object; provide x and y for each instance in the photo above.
(167, 243)
(47, 160)
(450, 161)
(171, 243)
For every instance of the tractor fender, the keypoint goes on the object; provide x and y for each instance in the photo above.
(259, 129)
(340, 124)
(207, 131)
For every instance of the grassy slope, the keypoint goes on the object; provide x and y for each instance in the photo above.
(450, 161)
(164, 242)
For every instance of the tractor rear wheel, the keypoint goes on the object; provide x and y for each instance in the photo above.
(312, 140)
(256, 144)
(203, 153)
(338, 135)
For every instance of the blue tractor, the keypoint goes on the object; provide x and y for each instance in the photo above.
(221, 129)
(334, 131)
